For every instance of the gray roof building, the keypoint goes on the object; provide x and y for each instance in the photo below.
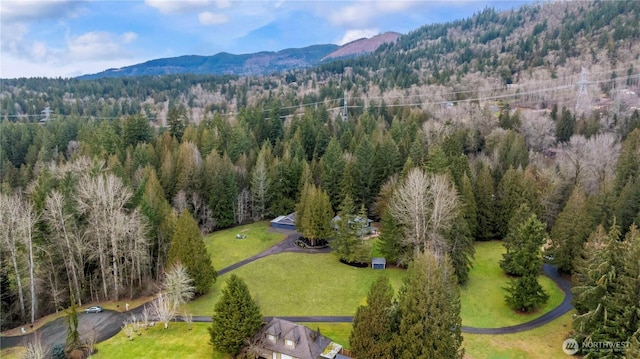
(282, 339)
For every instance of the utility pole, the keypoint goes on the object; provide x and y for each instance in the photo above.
(344, 110)
(583, 102)
(46, 112)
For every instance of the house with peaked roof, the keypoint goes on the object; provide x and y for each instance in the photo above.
(362, 226)
(282, 339)
(285, 222)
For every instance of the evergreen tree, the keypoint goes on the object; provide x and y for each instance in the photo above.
(347, 245)
(373, 324)
(565, 125)
(236, 317)
(261, 184)
(177, 121)
(73, 336)
(314, 215)
(390, 242)
(570, 231)
(514, 242)
(220, 188)
(469, 205)
(332, 164)
(628, 165)
(136, 129)
(160, 217)
(386, 162)
(628, 203)
(607, 309)
(187, 247)
(525, 294)
(363, 172)
(484, 196)
(523, 258)
(512, 192)
(461, 249)
(429, 305)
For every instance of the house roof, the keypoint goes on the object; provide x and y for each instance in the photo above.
(309, 344)
(288, 219)
(356, 219)
(378, 260)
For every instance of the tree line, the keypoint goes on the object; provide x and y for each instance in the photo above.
(92, 208)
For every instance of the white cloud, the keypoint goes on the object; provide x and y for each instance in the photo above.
(210, 18)
(98, 45)
(223, 4)
(128, 37)
(12, 11)
(352, 35)
(39, 50)
(178, 6)
(17, 66)
(364, 13)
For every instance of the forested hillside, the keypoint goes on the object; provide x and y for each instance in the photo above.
(494, 112)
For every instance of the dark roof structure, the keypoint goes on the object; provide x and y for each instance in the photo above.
(298, 341)
(289, 219)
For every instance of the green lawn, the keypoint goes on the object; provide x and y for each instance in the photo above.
(226, 249)
(158, 343)
(338, 332)
(482, 297)
(318, 284)
(302, 284)
(540, 343)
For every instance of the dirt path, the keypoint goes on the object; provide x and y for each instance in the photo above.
(107, 324)
(287, 245)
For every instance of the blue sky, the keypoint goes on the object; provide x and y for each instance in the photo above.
(62, 38)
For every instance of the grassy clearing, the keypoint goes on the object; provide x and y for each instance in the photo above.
(540, 343)
(158, 343)
(302, 284)
(226, 249)
(482, 297)
(338, 332)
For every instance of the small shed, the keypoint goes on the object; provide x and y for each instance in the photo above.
(378, 263)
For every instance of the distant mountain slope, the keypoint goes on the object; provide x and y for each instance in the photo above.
(224, 63)
(363, 46)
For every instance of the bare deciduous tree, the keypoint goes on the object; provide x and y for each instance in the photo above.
(590, 162)
(35, 349)
(17, 221)
(426, 206)
(188, 318)
(177, 285)
(68, 240)
(163, 309)
(128, 330)
(117, 236)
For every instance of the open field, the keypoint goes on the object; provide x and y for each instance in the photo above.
(302, 284)
(158, 343)
(540, 343)
(225, 249)
(482, 297)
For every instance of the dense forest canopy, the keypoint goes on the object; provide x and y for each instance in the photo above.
(481, 115)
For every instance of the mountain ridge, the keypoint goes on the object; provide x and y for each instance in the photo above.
(257, 63)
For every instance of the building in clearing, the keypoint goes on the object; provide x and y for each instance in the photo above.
(378, 263)
(285, 222)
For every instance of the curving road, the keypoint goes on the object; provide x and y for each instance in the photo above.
(108, 323)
